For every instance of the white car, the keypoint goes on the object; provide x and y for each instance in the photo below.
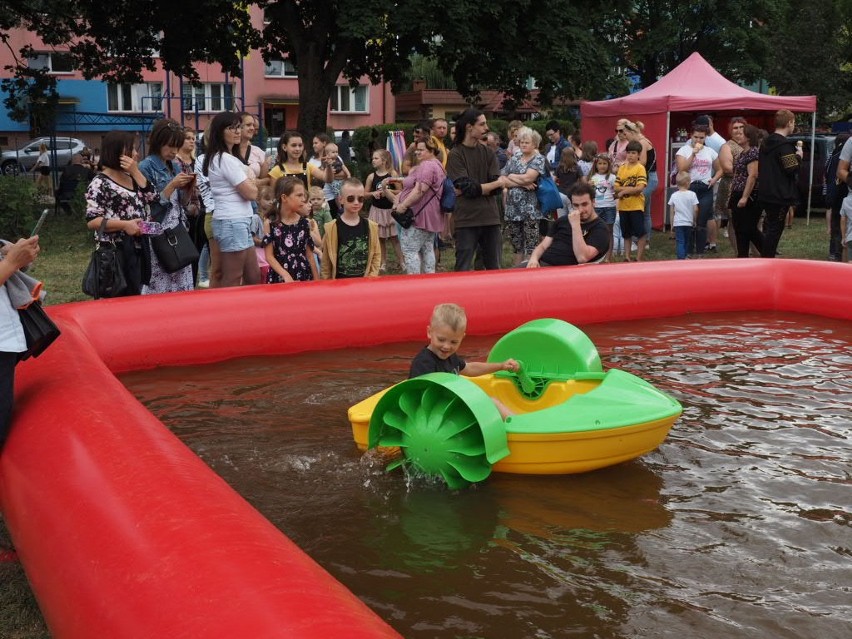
(23, 159)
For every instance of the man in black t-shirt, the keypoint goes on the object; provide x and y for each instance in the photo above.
(577, 238)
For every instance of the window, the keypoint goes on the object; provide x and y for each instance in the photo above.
(208, 97)
(52, 62)
(345, 99)
(145, 97)
(280, 69)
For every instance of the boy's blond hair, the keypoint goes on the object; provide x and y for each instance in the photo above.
(683, 179)
(316, 191)
(450, 315)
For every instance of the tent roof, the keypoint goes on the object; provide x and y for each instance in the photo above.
(694, 85)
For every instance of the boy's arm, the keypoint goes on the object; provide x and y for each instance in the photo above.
(475, 369)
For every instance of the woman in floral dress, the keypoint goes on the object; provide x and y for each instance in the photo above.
(287, 235)
(523, 211)
(121, 194)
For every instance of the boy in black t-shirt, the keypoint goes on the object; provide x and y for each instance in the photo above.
(446, 332)
(350, 246)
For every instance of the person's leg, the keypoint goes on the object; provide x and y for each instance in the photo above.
(739, 228)
(515, 231)
(7, 390)
(532, 237)
(835, 242)
(491, 246)
(752, 231)
(626, 234)
(231, 268)
(637, 224)
(773, 227)
(410, 251)
(251, 268)
(384, 253)
(704, 212)
(653, 183)
(397, 249)
(427, 250)
(681, 236)
(465, 239)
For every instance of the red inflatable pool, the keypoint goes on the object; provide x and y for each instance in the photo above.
(124, 532)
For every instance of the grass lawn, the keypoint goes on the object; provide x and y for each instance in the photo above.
(66, 246)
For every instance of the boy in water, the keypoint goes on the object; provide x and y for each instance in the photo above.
(446, 331)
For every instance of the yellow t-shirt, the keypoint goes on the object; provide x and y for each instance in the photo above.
(632, 175)
(303, 174)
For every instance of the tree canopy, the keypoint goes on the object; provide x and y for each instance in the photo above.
(562, 48)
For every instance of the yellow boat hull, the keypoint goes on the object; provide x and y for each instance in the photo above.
(548, 453)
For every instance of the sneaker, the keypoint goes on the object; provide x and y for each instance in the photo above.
(711, 248)
(203, 284)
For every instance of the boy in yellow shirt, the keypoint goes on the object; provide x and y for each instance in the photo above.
(629, 186)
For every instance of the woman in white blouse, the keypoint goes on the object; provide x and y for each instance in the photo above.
(233, 188)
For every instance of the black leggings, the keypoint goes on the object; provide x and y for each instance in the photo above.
(745, 221)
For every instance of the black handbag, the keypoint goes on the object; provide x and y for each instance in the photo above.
(174, 248)
(405, 220)
(104, 276)
(39, 330)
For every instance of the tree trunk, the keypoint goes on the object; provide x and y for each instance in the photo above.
(314, 96)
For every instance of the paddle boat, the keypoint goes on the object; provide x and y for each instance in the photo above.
(569, 415)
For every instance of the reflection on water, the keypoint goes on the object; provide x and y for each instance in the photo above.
(739, 525)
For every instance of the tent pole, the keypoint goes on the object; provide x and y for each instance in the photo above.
(811, 173)
(664, 175)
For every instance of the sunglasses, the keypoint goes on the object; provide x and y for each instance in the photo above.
(353, 198)
(619, 130)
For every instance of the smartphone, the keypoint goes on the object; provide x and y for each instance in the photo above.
(151, 228)
(41, 220)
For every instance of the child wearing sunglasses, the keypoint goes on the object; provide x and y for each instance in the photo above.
(350, 247)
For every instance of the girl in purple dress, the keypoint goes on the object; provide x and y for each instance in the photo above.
(287, 235)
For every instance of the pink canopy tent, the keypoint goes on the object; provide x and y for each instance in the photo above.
(692, 88)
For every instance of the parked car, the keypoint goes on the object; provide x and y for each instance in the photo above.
(23, 159)
(824, 145)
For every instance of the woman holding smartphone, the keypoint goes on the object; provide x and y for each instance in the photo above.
(165, 175)
(121, 194)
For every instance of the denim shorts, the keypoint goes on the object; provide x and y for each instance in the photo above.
(607, 214)
(233, 235)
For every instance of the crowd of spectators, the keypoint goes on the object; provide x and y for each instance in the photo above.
(248, 230)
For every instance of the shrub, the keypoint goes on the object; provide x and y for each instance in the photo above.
(18, 206)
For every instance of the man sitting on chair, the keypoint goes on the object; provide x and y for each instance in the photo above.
(72, 175)
(578, 238)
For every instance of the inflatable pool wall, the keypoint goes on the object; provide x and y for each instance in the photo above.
(124, 532)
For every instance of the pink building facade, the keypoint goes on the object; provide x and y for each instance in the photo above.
(89, 108)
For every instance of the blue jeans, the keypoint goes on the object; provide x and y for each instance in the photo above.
(683, 239)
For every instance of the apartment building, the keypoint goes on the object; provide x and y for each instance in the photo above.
(90, 108)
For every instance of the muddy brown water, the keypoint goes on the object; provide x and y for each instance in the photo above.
(739, 525)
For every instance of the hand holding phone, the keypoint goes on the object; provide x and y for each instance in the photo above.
(41, 220)
(151, 228)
